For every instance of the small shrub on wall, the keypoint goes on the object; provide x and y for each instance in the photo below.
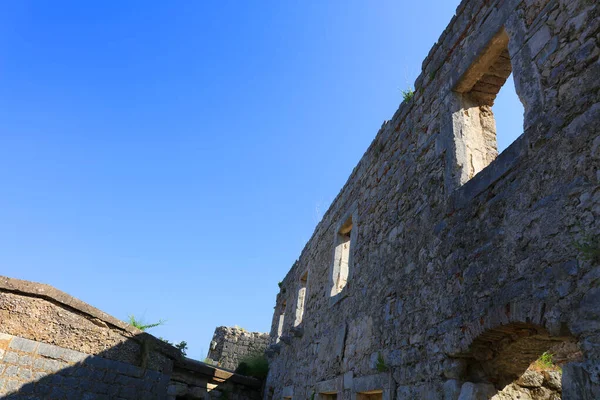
(255, 365)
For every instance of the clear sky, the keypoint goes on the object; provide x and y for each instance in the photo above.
(170, 159)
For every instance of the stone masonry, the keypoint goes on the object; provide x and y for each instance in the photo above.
(53, 346)
(46, 371)
(442, 269)
(229, 346)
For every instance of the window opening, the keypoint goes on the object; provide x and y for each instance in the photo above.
(281, 320)
(370, 395)
(342, 257)
(301, 298)
(475, 125)
(328, 396)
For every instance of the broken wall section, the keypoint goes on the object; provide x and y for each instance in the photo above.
(230, 346)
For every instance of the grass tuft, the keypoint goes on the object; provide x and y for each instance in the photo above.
(142, 325)
(545, 363)
(380, 365)
(408, 94)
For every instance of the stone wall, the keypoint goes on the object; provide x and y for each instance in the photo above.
(229, 346)
(30, 368)
(57, 347)
(461, 272)
(195, 380)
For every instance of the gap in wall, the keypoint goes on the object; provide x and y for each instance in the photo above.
(508, 113)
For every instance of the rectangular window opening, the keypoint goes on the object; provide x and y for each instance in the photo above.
(301, 299)
(328, 396)
(370, 395)
(342, 257)
(281, 321)
(487, 120)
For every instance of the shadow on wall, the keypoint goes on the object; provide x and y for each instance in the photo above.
(33, 370)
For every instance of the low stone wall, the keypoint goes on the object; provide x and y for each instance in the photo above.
(57, 347)
(47, 371)
(195, 380)
(229, 346)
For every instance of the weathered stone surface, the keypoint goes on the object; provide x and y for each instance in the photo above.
(50, 370)
(553, 380)
(513, 392)
(476, 391)
(230, 346)
(451, 389)
(454, 253)
(121, 365)
(530, 379)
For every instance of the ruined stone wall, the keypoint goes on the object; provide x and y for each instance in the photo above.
(55, 346)
(44, 371)
(460, 274)
(229, 346)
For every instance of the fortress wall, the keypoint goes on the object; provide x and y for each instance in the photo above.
(457, 265)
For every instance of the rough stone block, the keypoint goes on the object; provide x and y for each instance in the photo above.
(24, 345)
(530, 379)
(476, 391)
(451, 389)
(553, 379)
(5, 337)
(348, 380)
(49, 365)
(11, 357)
(25, 360)
(25, 374)
(12, 385)
(11, 371)
(49, 351)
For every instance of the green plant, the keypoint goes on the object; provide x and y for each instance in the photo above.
(408, 94)
(589, 247)
(142, 325)
(546, 359)
(255, 365)
(280, 284)
(545, 363)
(381, 365)
(312, 396)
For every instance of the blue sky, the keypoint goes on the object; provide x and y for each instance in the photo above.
(171, 159)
